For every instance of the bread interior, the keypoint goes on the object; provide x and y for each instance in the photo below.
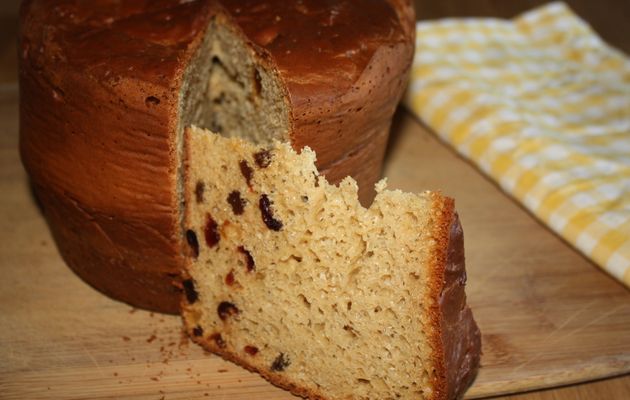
(231, 90)
(292, 277)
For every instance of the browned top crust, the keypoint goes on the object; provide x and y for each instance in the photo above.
(99, 110)
(114, 39)
(321, 47)
(316, 44)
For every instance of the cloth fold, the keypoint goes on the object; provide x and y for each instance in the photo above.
(542, 105)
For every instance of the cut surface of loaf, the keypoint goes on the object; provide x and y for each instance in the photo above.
(291, 277)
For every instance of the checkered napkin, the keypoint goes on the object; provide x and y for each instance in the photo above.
(542, 105)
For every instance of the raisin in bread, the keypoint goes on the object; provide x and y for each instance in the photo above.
(291, 277)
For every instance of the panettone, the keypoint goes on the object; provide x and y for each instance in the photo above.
(107, 88)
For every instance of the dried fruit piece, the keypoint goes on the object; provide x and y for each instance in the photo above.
(191, 238)
(248, 258)
(267, 214)
(189, 289)
(237, 202)
(200, 188)
(247, 172)
(226, 309)
(229, 278)
(197, 331)
(218, 339)
(211, 231)
(251, 350)
(280, 363)
(263, 158)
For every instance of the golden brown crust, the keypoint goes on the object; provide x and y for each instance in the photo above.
(442, 220)
(456, 339)
(99, 114)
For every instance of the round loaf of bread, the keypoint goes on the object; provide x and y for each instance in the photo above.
(107, 88)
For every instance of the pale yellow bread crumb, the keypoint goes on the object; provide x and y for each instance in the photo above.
(341, 301)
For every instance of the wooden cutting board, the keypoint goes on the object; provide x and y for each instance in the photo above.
(548, 316)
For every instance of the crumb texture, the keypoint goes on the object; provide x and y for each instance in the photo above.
(232, 91)
(301, 283)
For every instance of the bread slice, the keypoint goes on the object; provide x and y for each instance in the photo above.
(291, 277)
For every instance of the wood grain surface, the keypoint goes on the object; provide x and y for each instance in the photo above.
(548, 316)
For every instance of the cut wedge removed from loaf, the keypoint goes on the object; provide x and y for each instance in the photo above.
(291, 277)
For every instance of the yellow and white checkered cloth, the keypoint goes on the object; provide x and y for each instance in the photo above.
(542, 105)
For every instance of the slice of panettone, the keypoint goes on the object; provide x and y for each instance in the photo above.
(291, 277)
